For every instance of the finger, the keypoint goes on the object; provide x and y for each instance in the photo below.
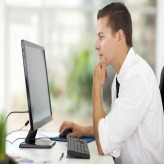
(61, 127)
(103, 64)
(73, 134)
(106, 74)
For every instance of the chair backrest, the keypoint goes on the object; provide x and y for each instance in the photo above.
(161, 86)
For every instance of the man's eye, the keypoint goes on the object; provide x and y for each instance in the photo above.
(101, 37)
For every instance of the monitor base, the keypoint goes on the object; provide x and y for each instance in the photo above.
(39, 144)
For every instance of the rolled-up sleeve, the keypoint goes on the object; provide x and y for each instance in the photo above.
(104, 140)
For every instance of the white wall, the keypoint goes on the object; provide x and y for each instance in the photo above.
(2, 90)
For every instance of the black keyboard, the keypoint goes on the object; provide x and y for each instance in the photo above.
(77, 148)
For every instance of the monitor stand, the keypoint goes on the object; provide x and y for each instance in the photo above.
(31, 142)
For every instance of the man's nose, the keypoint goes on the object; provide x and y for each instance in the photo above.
(97, 45)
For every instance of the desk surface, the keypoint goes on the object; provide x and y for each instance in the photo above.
(52, 155)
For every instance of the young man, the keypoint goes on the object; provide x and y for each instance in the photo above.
(133, 132)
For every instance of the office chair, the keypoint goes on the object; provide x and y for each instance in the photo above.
(161, 86)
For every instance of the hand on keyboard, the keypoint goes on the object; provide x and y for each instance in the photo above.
(77, 148)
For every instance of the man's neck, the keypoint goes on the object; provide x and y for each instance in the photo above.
(117, 64)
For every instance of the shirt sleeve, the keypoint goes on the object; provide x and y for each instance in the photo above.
(126, 114)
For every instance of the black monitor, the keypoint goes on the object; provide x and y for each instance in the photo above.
(37, 89)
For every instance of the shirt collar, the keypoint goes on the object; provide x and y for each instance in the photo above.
(126, 65)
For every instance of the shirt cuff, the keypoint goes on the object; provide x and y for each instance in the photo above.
(104, 136)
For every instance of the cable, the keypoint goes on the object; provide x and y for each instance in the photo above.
(38, 133)
(12, 113)
(14, 140)
(42, 138)
(25, 138)
(27, 122)
(43, 135)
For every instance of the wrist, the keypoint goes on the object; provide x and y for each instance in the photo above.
(96, 89)
(83, 131)
(87, 131)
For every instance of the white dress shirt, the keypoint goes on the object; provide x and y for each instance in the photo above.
(133, 131)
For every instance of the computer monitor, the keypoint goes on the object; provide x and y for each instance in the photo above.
(37, 89)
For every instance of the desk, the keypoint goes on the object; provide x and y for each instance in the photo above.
(53, 155)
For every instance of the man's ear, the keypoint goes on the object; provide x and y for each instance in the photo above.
(120, 35)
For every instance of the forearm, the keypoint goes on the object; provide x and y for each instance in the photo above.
(88, 131)
(98, 113)
(99, 77)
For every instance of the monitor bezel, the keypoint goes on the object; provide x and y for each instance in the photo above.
(34, 125)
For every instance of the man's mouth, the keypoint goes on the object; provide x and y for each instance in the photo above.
(100, 55)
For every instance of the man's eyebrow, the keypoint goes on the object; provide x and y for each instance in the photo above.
(99, 33)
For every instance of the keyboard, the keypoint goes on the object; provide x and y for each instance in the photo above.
(77, 148)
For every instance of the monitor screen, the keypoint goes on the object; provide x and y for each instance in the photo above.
(36, 79)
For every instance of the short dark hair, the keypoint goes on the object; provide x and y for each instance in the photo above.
(118, 18)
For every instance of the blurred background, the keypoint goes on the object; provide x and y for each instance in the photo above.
(67, 30)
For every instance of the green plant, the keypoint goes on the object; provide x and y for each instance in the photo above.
(2, 137)
(52, 88)
(80, 78)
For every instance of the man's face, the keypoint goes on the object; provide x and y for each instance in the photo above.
(105, 41)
